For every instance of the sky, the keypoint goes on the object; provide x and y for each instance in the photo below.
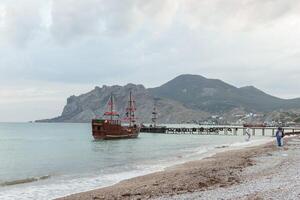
(52, 49)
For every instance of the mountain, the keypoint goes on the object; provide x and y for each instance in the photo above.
(197, 92)
(216, 96)
(185, 98)
(84, 107)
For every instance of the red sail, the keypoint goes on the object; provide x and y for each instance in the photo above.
(111, 112)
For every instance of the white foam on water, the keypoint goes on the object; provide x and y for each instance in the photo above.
(212, 150)
(55, 188)
(63, 186)
(252, 142)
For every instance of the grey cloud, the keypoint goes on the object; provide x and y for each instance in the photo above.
(103, 40)
(73, 20)
(236, 15)
(99, 18)
(20, 21)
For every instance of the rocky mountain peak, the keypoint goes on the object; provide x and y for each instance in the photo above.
(185, 98)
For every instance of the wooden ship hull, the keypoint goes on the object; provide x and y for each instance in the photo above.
(109, 130)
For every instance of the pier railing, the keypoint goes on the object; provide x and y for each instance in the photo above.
(232, 130)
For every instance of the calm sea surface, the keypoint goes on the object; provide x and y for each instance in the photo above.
(44, 161)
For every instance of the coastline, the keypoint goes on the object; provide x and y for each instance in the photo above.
(217, 171)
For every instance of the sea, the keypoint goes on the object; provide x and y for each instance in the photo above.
(51, 160)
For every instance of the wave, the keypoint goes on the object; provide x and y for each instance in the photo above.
(253, 142)
(23, 181)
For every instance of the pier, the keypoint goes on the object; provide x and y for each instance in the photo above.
(225, 130)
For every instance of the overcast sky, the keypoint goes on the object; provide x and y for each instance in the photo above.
(51, 49)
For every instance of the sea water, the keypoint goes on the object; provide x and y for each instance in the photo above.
(50, 160)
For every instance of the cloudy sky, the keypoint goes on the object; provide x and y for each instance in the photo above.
(51, 49)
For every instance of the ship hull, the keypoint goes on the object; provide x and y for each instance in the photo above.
(100, 136)
(112, 130)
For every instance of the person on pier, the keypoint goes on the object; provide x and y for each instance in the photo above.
(279, 136)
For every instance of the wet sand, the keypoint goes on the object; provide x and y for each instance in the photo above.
(223, 170)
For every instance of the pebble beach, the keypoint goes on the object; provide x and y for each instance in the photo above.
(259, 172)
(275, 175)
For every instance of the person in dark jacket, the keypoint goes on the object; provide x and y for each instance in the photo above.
(279, 136)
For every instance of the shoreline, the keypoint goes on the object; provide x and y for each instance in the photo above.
(218, 169)
(274, 175)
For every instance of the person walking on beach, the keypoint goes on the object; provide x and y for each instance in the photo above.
(279, 136)
(248, 134)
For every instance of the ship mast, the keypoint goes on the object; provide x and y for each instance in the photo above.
(111, 111)
(111, 106)
(131, 114)
(130, 110)
(154, 116)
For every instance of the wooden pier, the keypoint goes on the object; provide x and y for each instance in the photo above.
(232, 130)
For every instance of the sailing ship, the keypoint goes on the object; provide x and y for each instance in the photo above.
(153, 128)
(110, 127)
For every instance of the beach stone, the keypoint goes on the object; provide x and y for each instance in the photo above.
(272, 176)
